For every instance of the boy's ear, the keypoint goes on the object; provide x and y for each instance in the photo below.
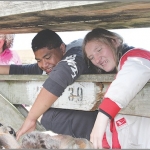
(63, 48)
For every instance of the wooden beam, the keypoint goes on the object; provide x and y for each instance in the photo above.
(85, 94)
(82, 78)
(31, 17)
(10, 116)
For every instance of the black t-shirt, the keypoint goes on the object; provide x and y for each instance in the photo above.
(63, 74)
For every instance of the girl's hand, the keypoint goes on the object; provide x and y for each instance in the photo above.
(98, 130)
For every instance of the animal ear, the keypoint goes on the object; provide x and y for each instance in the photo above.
(11, 131)
(8, 141)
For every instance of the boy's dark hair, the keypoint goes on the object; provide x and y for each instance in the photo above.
(46, 38)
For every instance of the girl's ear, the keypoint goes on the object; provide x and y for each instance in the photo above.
(63, 48)
(116, 42)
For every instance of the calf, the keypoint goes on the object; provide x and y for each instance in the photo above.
(42, 140)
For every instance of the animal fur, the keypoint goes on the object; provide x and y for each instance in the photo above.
(43, 140)
(7, 140)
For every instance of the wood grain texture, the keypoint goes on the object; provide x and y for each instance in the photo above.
(85, 94)
(31, 17)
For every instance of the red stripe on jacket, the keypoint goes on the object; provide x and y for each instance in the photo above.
(107, 104)
(112, 108)
(135, 53)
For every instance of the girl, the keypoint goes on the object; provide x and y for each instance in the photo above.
(106, 52)
(8, 56)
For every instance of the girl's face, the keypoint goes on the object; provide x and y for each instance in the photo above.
(100, 55)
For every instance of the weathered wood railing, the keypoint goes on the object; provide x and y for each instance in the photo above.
(85, 94)
(33, 16)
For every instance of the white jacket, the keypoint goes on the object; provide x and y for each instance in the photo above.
(132, 132)
(133, 74)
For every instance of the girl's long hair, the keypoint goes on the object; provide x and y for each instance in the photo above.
(108, 38)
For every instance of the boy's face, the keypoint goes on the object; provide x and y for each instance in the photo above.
(48, 59)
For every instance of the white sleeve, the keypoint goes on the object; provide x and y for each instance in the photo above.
(132, 77)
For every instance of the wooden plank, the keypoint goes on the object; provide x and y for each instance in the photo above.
(79, 95)
(140, 105)
(85, 94)
(82, 78)
(19, 7)
(11, 116)
(6, 107)
(28, 16)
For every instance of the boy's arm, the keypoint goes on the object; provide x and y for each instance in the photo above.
(20, 69)
(25, 69)
(64, 74)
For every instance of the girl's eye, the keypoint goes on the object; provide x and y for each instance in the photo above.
(90, 58)
(99, 50)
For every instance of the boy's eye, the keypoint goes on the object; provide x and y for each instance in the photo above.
(47, 57)
(38, 60)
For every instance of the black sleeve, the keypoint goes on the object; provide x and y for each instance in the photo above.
(66, 71)
(25, 69)
(105, 113)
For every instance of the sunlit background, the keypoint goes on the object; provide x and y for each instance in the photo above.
(137, 37)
